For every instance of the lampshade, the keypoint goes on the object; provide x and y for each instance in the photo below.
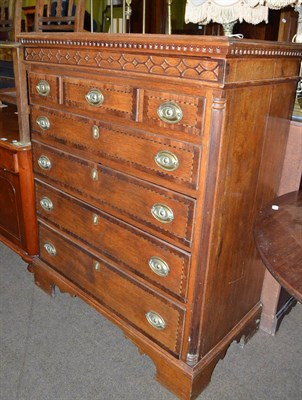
(276, 4)
(225, 11)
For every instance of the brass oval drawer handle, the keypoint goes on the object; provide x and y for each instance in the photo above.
(166, 160)
(159, 266)
(50, 248)
(43, 123)
(97, 266)
(46, 204)
(94, 97)
(95, 219)
(162, 213)
(155, 320)
(94, 174)
(44, 162)
(170, 112)
(95, 132)
(43, 88)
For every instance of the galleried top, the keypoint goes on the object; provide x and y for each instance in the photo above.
(177, 44)
(188, 57)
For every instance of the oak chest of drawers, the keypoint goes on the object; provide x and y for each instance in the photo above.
(152, 156)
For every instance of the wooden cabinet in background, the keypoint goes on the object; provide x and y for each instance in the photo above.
(276, 301)
(152, 156)
(18, 227)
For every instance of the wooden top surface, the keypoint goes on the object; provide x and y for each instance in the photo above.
(214, 61)
(278, 236)
(189, 45)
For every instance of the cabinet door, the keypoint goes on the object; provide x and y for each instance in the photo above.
(11, 217)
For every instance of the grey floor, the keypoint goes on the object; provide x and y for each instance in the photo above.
(61, 349)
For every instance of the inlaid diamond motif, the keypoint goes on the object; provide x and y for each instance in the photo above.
(98, 59)
(200, 69)
(149, 64)
(165, 65)
(189, 68)
(122, 61)
(77, 57)
(181, 67)
(49, 55)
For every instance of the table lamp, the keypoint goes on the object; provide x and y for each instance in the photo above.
(229, 12)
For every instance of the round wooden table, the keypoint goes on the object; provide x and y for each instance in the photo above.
(278, 236)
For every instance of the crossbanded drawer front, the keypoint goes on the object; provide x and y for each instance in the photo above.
(154, 315)
(159, 209)
(174, 112)
(160, 264)
(99, 97)
(157, 156)
(44, 89)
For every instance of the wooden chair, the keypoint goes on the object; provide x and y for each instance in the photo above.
(50, 16)
(13, 92)
(6, 19)
(59, 15)
(7, 34)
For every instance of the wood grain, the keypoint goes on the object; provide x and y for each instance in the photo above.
(278, 235)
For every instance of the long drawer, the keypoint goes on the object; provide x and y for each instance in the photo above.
(159, 209)
(148, 312)
(159, 263)
(155, 155)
